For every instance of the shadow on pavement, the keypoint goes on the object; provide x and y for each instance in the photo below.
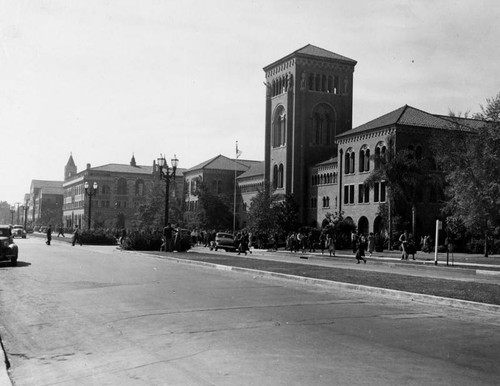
(20, 264)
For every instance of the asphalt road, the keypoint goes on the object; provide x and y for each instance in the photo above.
(98, 316)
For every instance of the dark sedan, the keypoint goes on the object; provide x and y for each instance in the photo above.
(8, 250)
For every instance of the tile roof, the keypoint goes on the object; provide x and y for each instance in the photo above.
(410, 116)
(221, 162)
(46, 184)
(327, 162)
(313, 51)
(257, 169)
(124, 168)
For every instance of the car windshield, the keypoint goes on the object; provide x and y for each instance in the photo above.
(17, 227)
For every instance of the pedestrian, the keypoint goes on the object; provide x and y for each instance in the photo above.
(61, 231)
(322, 241)
(76, 237)
(304, 242)
(371, 243)
(250, 242)
(167, 238)
(240, 243)
(123, 236)
(310, 241)
(49, 235)
(354, 241)
(292, 242)
(411, 248)
(360, 251)
(427, 244)
(331, 244)
(403, 240)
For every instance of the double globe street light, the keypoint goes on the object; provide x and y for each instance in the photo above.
(166, 174)
(90, 191)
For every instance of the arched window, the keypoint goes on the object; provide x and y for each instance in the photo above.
(281, 176)
(279, 127)
(380, 153)
(121, 186)
(323, 125)
(275, 176)
(139, 188)
(349, 161)
(364, 159)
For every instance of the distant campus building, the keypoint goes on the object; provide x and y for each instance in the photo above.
(311, 151)
(122, 188)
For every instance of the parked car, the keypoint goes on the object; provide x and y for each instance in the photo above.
(224, 241)
(18, 231)
(8, 250)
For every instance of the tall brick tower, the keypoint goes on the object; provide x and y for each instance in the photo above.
(308, 102)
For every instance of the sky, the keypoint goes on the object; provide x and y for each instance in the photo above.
(103, 80)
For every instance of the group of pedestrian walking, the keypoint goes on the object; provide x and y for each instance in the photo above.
(75, 239)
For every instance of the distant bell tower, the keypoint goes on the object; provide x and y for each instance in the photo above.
(70, 168)
(308, 103)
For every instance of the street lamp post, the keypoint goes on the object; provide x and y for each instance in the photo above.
(17, 203)
(25, 208)
(90, 191)
(166, 174)
(12, 211)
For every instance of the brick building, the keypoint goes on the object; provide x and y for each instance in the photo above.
(220, 176)
(122, 188)
(308, 104)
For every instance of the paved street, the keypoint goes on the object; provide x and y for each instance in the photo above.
(98, 316)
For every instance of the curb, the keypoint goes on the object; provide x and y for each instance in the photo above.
(409, 296)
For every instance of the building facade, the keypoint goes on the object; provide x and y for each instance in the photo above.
(45, 204)
(219, 174)
(308, 104)
(122, 188)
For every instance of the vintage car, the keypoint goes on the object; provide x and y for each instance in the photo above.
(224, 241)
(18, 231)
(8, 250)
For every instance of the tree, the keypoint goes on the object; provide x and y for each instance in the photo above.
(152, 212)
(213, 209)
(405, 176)
(470, 159)
(262, 215)
(288, 215)
(338, 227)
(5, 215)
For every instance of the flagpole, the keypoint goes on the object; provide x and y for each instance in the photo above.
(234, 205)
